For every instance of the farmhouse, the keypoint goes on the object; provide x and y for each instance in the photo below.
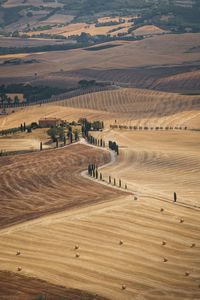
(49, 122)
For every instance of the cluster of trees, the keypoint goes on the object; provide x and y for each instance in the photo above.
(110, 23)
(87, 83)
(30, 93)
(113, 146)
(90, 126)
(57, 133)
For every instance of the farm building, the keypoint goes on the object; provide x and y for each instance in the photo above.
(49, 122)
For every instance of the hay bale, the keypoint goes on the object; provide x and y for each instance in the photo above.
(187, 273)
(181, 220)
(121, 242)
(193, 245)
(18, 252)
(123, 287)
(165, 259)
(76, 247)
(162, 209)
(135, 198)
(164, 243)
(19, 269)
(77, 255)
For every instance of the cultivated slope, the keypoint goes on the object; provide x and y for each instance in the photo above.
(143, 107)
(47, 250)
(45, 182)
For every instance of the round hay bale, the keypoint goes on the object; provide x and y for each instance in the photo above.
(181, 220)
(121, 242)
(77, 255)
(165, 259)
(193, 245)
(164, 243)
(162, 209)
(123, 287)
(135, 198)
(187, 273)
(19, 269)
(18, 252)
(76, 247)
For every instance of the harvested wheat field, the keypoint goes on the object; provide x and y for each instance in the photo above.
(121, 249)
(21, 141)
(163, 50)
(32, 288)
(45, 182)
(34, 113)
(157, 164)
(142, 107)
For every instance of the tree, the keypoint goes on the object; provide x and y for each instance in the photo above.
(175, 197)
(56, 133)
(76, 137)
(16, 100)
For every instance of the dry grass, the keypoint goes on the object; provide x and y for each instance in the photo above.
(148, 30)
(21, 141)
(78, 28)
(104, 266)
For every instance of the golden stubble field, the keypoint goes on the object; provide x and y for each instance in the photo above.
(78, 234)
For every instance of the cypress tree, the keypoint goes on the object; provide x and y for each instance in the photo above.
(21, 127)
(40, 146)
(71, 137)
(64, 140)
(117, 149)
(109, 179)
(120, 183)
(96, 174)
(114, 182)
(175, 197)
(125, 186)
(57, 143)
(24, 126)
(93, 172)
